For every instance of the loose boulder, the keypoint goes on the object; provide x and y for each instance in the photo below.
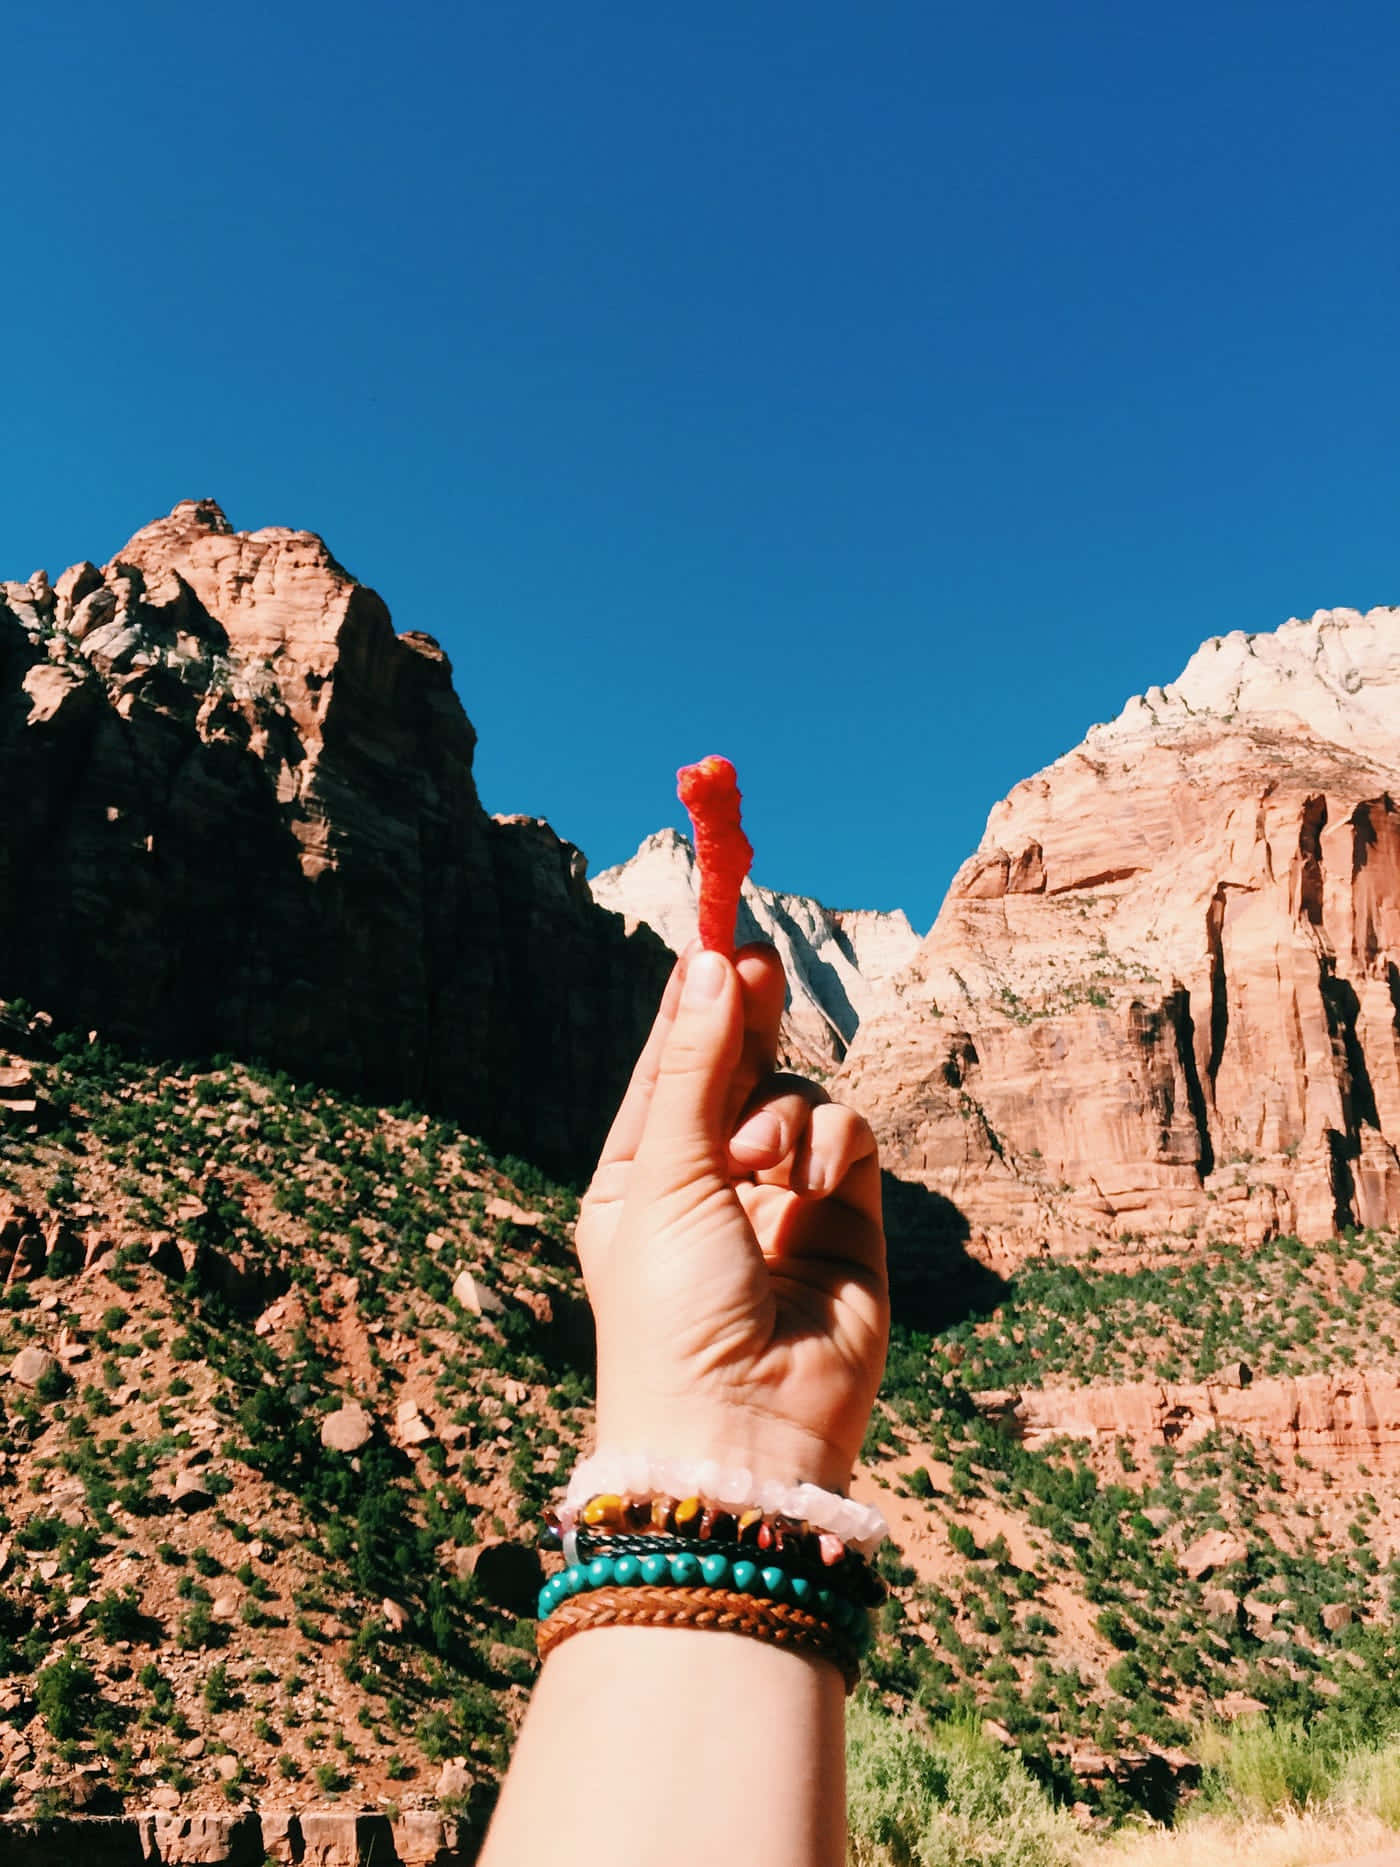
(33, 1365)
(1217, 1549)
(476, 1297)
(190, 1492)
(349, 1429)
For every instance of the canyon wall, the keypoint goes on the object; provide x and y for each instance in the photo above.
(1163, 996)
(241, 1838)
(240, 815)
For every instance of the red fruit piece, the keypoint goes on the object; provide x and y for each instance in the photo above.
(710, 792)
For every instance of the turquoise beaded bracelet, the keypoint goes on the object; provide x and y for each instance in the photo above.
(684, 1570)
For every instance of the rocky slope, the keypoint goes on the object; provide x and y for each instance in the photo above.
(840, 964)
(1163, 996)
(279, 1374)
(286, 1380)
(242, 818)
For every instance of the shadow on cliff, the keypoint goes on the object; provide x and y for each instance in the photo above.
(172, 878)
(935, 1282)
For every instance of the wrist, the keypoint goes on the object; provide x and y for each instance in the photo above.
(734, 1441)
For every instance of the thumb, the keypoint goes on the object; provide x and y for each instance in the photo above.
(685, 1137)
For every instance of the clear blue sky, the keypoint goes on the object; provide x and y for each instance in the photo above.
(876, 394)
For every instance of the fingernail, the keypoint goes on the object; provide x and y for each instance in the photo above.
(761, 1134)
(704, 979)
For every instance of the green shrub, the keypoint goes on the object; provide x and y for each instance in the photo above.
(118, 1615)
(199, 1628)
(1116, 1631)
(66, 1694)
(435, 1735)
(66, 1258)
(946, 1799)
(1370, 1780)
(52, 1385)
(1265, 1766)
(1126, 1677)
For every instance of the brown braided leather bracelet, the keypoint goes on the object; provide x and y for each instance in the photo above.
(723, 1610)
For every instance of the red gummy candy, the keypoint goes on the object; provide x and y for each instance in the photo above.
(710, 792)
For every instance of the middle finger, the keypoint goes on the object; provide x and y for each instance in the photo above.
(774, 1121)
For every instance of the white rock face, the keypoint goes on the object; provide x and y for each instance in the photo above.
(1335, 677)
(839, 965)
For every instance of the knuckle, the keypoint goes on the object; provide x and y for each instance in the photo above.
(683, 1063)
(802, 1088)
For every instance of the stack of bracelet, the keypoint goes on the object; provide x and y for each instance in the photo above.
(661, 1560)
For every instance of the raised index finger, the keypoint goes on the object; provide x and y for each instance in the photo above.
(763, 987)
(631, 1119)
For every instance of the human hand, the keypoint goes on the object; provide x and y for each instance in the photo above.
(732, 1244)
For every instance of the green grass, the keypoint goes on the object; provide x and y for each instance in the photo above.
(944, 1797)
(1263, 1767)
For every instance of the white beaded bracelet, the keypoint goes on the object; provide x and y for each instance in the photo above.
(639, 1475)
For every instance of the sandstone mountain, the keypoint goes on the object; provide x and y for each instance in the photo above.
(1163, 996)
(840, 964)
(241, 817)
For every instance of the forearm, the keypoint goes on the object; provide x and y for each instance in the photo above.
(677, 1744)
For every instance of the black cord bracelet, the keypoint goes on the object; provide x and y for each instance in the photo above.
(852, 1578)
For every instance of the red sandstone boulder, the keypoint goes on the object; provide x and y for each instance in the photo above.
(1217, 1549)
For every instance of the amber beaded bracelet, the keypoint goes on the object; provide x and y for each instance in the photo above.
(691, 1516)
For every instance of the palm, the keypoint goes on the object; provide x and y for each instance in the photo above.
(746, 1293)
(823, 1265)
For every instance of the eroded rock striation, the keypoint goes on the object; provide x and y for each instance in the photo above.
(1332, 1420)
(241, 816)
(839, 963)
(1163, 996)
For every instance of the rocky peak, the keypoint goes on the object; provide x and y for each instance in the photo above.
(276, 592)
(191, 516)
(1162, 994)
(1335, 676)
(247, 821)
(838, 964)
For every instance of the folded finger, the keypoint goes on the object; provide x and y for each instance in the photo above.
(773, 1123)
(838, 1159)
(765, 991)
(763, 986)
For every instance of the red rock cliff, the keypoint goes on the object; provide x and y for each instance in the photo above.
(1164, 994)
(240, 815)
